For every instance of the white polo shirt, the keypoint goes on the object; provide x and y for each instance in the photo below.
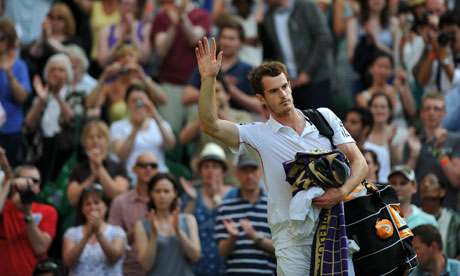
(272, 143)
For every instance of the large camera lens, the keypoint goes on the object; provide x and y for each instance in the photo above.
(27, 196)
(445, 38)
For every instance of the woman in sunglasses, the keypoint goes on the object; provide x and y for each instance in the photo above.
(94, 247)
(97, 167)
(167, 242)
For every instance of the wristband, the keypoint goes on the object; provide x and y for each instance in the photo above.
(432, 55)
(444, 161)
(149, 7)
(259, 240)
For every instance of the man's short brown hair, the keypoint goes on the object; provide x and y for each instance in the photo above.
(267, 68)
(7, 28)
(435, 96)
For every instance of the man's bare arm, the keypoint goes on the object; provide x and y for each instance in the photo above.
(209, 66)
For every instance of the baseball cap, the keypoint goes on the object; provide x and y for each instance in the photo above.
(407, 171)
(246, 160)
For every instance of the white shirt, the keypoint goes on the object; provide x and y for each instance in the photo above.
(272, 143)
(383, 156)
(52, 113)
(149, 140)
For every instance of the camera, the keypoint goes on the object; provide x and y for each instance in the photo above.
(27, 195)
(123, 70)
(445, 38)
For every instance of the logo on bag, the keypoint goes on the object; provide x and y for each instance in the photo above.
(384, 228)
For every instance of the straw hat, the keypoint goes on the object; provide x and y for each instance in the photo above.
(211, 151)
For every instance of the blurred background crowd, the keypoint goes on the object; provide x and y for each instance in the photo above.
(99, 119)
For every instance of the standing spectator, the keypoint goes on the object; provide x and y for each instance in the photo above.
(28, 15)
(80, 63)
(166, 241)
(439, 69)
(402, 179)
(241, 225)
(176, 30)
(14, 90)
(131, 206)
(359, 123)
(101, 14)
(432, 194)
(143, 131)
(129, 29)
(26, 227)
(58, 29)
(115, 81)
(94, 247)
(428, 246)
(379, 139)
(203, 203)
(301, 39)
(97, 167)
(234, 71)
(435, 149)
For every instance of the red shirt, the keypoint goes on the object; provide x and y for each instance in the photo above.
(180, 61)
(16, 254)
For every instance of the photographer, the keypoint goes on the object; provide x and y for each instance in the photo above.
(439, 69)
(26, 227)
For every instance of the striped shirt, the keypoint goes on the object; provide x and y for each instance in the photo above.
(247, 258)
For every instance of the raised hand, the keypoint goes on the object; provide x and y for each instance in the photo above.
(8, 62)
(188, 188)
(231, 227)
(413, 142)
(41, 90)
(441, 137)
(247, 227)
(95, 221)
(208, 64)
(175, 215)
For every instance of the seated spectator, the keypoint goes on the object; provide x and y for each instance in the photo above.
(402, 100)
(166, 241)
(58, 29)
(432, 194)
(143, 131)
(27, 228)
(94, 247)
(379, 139)
(402, 179)
(97, 167)
(211, 165)
(373, 166)
(80, 63)
(191, 132)
(50, 266)
(359, 123)
(101, 14)
(234, 71)
(131, 206)
(128, 29)
(241, 225)
(115, 80)
(428, 246)
(51, 123)
(14, 90)
(176, 30)
(435, 150)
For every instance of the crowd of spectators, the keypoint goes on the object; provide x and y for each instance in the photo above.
(104, 167)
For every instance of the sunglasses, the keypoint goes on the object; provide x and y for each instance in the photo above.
(34, 179)
(46, 266)
(94, 186)
(2, 37)
(146, 164)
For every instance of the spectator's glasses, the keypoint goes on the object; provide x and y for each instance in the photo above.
(146, 164)
(2, 37)
(34, 179)
(94, 186)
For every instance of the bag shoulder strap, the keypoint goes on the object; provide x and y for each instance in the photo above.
(323, 126)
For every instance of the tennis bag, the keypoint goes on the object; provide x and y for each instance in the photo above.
(374, 220)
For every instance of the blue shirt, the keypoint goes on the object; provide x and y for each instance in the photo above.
(452, 269)
(14, 116)
(240, 71)
(246, 258)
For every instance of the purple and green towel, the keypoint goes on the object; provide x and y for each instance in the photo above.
(325, 169)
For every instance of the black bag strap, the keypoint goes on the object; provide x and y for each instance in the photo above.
(323, 126)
